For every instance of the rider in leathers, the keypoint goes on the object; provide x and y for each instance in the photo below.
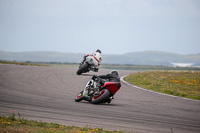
(97, 51)
(113, 76)
(97, 56)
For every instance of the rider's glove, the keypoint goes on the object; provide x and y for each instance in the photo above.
(94, 77)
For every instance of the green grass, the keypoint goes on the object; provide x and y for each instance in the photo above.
(104, 66)
(23, 63)
(178, 83)
(11, 124)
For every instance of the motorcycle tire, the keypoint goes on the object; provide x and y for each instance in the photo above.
(82, 68)
(79, 97)
(104, 95)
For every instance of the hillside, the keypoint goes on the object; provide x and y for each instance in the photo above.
(134, 58)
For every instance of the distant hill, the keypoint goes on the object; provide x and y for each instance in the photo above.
(134, 58)
(41, 56)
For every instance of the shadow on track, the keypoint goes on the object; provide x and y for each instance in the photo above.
(102, 104)
(86, 75)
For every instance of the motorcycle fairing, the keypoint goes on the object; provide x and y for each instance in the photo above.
(112, 87)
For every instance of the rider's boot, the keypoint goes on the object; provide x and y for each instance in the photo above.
(98, 86)
(96, 93)
(95, 69)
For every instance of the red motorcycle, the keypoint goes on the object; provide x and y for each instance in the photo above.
(104, 95)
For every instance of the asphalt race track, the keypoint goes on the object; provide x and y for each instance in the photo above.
(47, 94)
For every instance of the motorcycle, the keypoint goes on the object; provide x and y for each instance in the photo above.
(91, 63)
(104, 95)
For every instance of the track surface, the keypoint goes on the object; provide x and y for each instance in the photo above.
(47, 94)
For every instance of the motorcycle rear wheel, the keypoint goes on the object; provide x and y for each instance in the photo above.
(103, 96)
(79, 97)
(82, 69)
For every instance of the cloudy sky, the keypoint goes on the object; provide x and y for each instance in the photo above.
(114, 26)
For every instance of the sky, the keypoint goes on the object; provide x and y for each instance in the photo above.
(113, 26)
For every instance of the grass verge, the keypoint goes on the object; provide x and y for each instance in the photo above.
(11, 124)
(178, 83)
(104, 66)
(23, 63)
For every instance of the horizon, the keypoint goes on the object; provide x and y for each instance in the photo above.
(135, 58)
(102, 53)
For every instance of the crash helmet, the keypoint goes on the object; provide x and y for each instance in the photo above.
(98, 51)
(114, 72)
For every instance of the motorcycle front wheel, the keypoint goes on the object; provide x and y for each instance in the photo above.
(104, 95)
(82, 68)
(79, 97)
